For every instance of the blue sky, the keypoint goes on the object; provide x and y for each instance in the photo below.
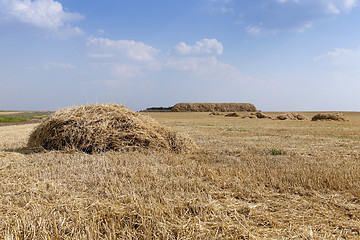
(281, 55)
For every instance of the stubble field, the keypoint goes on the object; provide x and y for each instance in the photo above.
(248, 179)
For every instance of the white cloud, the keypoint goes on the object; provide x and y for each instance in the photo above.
(59, 65)
(350, 3)
(339, 52)
(198, 60)
(204, 46)
(273, 16)
(335, 6)
(44, 14)
(197, 64)
(129, 48)
(284, 1)
(126, 70)
(335, 54)
(348, 59)
(253, 30)
(67, 32)
(305, 26)
(226, 10)
(332, 9)
(100, 55)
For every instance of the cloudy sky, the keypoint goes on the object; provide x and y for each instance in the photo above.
(281, 55)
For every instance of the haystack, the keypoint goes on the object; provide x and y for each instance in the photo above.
(103, 127)
(292, 116)
(257, 115)
(214, 114)
(213, 107)
(234, 114)
(329, 117)
(262, 115)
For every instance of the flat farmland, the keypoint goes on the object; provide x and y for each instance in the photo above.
(247, 179)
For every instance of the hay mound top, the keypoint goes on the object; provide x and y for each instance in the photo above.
(329, 117)
(103, 127)
(213, 107)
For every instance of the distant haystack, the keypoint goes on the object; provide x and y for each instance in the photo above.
(213, 107)
(103, 127)
(262, 115)
(329, 117)
(257, 115)
(292, 116)
(234, 114)
(215, 114)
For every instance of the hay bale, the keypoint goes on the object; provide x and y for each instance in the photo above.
(300, 117)
(329, 117)
(255, 115)
(213, 107)
(292, 116)
(262, 115)
(282, 117)
(104, 127)
(215, 114)
(232, 115)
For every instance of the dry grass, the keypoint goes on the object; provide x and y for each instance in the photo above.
(231, 188)
(9, 112)
(104, 127)
(213, 107)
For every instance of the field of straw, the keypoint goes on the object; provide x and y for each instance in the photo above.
(248, 179)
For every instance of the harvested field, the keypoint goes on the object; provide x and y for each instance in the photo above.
(213, 107)
(9, 112)
(104, 127)
(248, 179)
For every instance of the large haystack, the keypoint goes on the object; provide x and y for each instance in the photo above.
(103, 127)
(329, 117)
(213, 107)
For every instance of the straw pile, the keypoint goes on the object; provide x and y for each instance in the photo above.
(257, 115)
(103, 127)
(329, 117)
(252, 115)
(213, 107)
(234, 114)
(262, 115)
(214, 114)
(292, 116)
